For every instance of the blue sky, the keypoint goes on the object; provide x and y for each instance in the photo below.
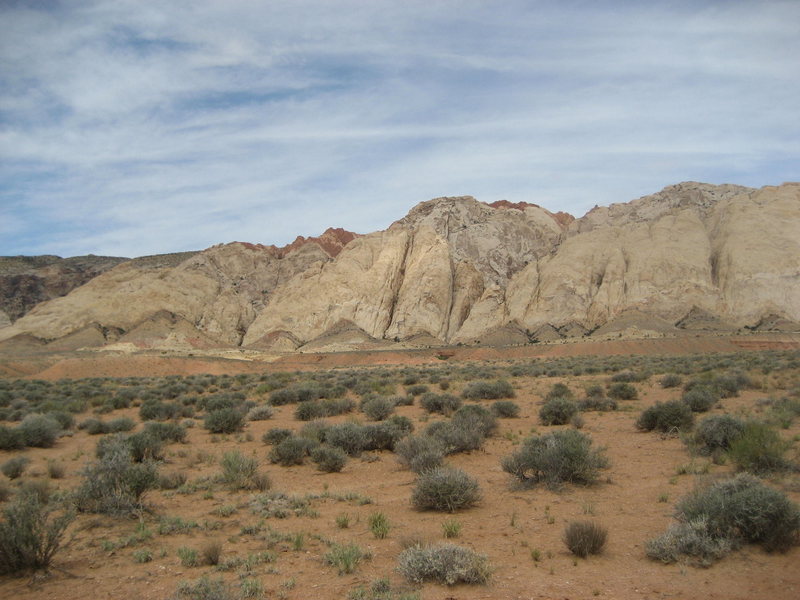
(131, 127)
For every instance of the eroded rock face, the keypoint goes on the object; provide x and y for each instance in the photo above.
(457, 270)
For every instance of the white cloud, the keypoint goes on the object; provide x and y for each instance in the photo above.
(132, 128)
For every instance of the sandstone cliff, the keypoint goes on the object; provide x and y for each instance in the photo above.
(455, 270)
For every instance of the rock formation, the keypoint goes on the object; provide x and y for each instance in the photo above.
(455, 270)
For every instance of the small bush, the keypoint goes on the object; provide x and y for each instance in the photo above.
(417, 390)
(260, 413)
(585, 537)
(554, 458)
(448, 564)
(559, 390)
(622, 391)
(55, 470)
(505, 409)
(276, 435)
(204, 589)
(39, 431)
(454, 438)
(171, 481)
(30, 534)
(328, 459)
(165, 432)
(557, 411)
(671, 380)
(717, 432)
(690, 539)
(743, 508)
(240, 472)
(486, 390)
(144, 446)
(444, 404)
(445, 489)
(15, 467)
(377, 409)
(225, 420)
(672, 415)
(759, 449)
(420, 452)
(451, 528)
(211, 552)
(10, 438)
(379, 525)
(475, 418)
(700, 399)
(120, 424)
(188, 557)
(345, 558)
(350, 437)
(597, 403)
(291, 451)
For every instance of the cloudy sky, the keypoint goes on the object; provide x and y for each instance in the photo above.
(131, 127)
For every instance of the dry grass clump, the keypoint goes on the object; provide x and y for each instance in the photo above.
(585, 537)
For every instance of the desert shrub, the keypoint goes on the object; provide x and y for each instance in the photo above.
(240, 472)
(420, 452)
(555, 458)
(291, 451)
(10, 438)
(30, 534)
(700, 399)
(115, 484)
(595, 391)
(63, 418)
(225, 420)
(690, 539)
(93, 426)
(309, 410)
(445, 489)
(39, 431)
(260, 413)
(671, 380)
(345, 558)
(383, 435)
(628, 376)
(15, 467)
(379, 525)
(717, 432)
(315, 430)
(488, 390)
(417, 390)
(5, 491)
(276, 435)
(585, 537)
(55, 470)
(744, 509)
(505, 409)
(557, 411)
(171, 481)
(120, 424)
(759, 449)
(283, 396)
(443, 404)
(474, 417)
(455, 438)
(145, 446)
(350, 437)
(559, 390)
(378, 408)
(597, 403)
(328, 459)
(447, 563)
(156, 410)
(204, 589)
(730, 384)
(673, 415)
(166, 432)
(622, 391)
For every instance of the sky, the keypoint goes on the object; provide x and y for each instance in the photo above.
(134, 127)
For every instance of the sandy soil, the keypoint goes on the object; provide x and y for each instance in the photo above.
(507, 526)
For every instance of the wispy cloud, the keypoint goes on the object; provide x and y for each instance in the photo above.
(132, 128)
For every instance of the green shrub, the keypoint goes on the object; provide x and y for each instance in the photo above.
(622, 391)
(115, 484)
(383, 435)
(597, 403)
(559, 390)
(744, 509)
(447, 563)
(717, 432)
(204, 589)
(445, 489)
(309, 410)
(474, 417)
(672, 415)
(444, 404)
(759, 449)
(628, 376)
(15, 467)
(165, 432)
(505, 409)
(145, 446)
(10, 438)
(276, 435)
(30, 534)
(488, 390)
(379, 525)
(690, 539)
(328, 459)
(350, 437)
(39, 431)
(671, 380)
(120, 424)
(345, 558)
(188, 557)
(378, 408)
(420, 452)
(585, 537)
(700, 399)
(557, 411)
(291, 451)
(225, 420)
(240, 472)
(417, 390)
(554, 458)
(454, 438)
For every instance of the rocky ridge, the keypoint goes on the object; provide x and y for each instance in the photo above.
(455, 270)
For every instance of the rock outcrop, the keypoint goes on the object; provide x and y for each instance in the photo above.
(454, 270)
